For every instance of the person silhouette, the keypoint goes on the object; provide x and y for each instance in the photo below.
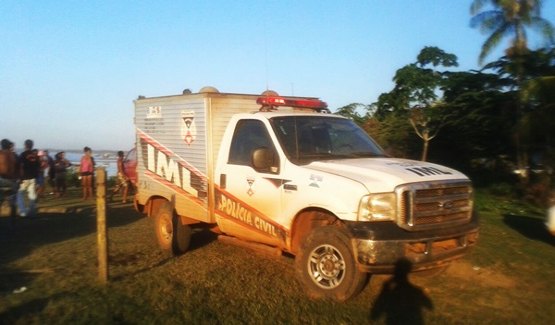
(9, 174)
(29, 166)
(401, 301)
(123, 179)
(86, 171)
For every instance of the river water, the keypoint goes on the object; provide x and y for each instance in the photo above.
(107, 160)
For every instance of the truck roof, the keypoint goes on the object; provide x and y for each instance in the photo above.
(213, 92)
(268, 101)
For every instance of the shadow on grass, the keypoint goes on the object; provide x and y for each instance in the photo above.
(11, 280)
(63, 307)
(46, 228)
(139, 271)
(530, 227)
(400, 301)
(32, 307)
(201, 237)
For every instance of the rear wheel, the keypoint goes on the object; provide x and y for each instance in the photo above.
(171, 234)
(326, 267)
(182, 237)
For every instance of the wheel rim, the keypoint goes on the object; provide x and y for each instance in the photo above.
(326, 266)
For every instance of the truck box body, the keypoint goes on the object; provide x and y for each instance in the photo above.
(179, 138)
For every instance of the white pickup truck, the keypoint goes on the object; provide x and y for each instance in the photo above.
(281, 171)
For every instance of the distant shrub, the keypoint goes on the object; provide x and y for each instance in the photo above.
(502, 189)
(112, 180)
(72, 178)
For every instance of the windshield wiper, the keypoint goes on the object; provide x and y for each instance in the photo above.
(365, 154)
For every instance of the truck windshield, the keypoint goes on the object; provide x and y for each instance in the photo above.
(308, 138)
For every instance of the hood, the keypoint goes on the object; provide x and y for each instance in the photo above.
(384, 174)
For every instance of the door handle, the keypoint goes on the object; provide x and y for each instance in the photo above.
(290, 187)
(223, 181)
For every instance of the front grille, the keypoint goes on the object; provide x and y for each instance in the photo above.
(435, 204)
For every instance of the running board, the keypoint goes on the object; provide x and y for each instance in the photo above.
(265, 249)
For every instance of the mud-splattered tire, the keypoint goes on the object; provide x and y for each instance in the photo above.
(171, 234)
(182, 237)
(163, 224)
(326, 267)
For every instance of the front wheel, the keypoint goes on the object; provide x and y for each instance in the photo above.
(326, 267)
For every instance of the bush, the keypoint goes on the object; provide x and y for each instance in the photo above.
(502, 189)
(72, 178)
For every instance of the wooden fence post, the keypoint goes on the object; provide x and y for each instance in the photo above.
(101, 232)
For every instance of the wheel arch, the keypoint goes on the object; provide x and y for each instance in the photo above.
(308, 219)
(153, 205)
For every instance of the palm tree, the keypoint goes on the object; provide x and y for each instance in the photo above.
(509, 18)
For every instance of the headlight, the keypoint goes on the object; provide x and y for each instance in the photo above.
(377, 207)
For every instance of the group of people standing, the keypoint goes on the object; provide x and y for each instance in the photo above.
(25, 174)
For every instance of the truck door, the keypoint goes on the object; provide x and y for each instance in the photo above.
(249, 197)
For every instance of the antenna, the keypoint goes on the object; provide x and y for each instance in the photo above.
(266, 62)
(266, 44)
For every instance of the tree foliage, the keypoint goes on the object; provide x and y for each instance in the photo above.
(354, 111)
(415, 97)
(487, 123)
(509, 18)
(478, 114)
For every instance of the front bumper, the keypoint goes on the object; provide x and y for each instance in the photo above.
(377, 247)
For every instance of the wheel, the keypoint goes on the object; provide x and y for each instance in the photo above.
(164, 226)
(182, 237)
(325, 265)
(171, 234)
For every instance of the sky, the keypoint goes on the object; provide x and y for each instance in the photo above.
(70, 70)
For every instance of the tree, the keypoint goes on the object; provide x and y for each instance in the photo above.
(529, 80)
(537, 124)
(509, 18)
(394, 134)
(512, 18)
(352, 111)
(415, 95)
(426, 125)
(478, 114)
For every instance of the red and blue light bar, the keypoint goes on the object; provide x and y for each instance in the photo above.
(274, 101)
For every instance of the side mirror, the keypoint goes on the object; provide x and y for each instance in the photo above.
(264, 160)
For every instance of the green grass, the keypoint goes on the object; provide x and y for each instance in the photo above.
(507, 278)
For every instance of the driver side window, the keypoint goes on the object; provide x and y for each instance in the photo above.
(249, 135)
